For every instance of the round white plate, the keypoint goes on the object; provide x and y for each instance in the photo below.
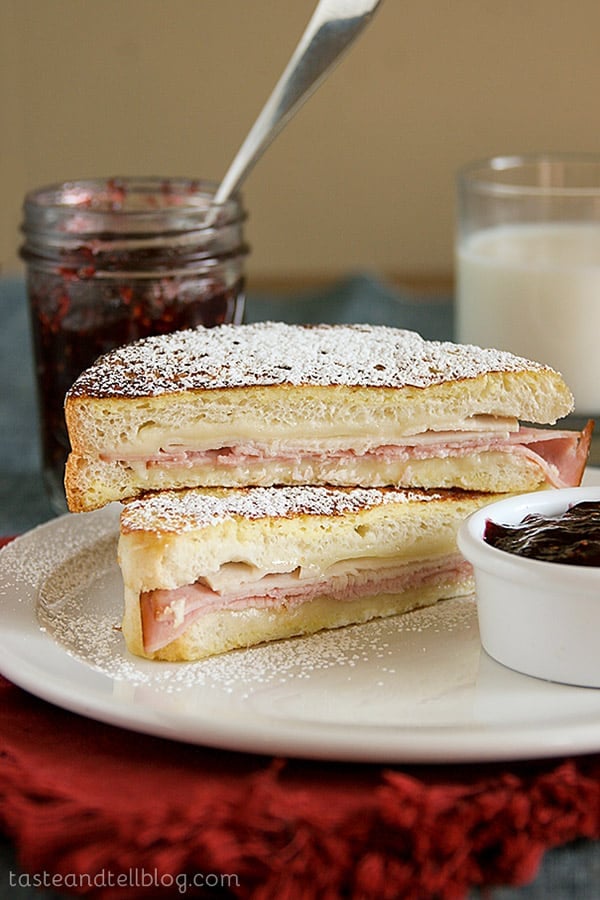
(415, 688)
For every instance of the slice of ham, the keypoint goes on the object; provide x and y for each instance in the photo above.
(166, 614)
(561, 455)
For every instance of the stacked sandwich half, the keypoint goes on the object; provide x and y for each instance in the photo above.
(279, 479)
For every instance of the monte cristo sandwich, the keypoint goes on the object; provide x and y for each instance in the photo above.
(348, 405)
(278, 480)
(210, 570)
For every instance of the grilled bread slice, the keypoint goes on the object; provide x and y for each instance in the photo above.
(209, 570)
(346, 405)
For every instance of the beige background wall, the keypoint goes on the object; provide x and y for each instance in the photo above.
(363, 176)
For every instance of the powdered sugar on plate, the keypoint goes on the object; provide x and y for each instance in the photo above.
(274, 353)
(67, 574)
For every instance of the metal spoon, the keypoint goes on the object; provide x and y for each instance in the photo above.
(334, 26)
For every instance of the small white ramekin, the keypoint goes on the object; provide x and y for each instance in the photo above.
(539, 618)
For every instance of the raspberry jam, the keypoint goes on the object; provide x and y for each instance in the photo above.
(572, 538)
(112, 261)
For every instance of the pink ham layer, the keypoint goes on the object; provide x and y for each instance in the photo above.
(561, 455)
(167, 614)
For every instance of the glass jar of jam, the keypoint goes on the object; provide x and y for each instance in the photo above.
(110, 261)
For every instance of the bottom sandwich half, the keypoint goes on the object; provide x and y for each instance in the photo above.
(207, 571)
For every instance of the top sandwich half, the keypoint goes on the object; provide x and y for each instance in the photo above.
(271, 403)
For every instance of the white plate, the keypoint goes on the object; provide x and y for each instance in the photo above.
(416, 688)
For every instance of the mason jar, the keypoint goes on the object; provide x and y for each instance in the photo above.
(111, 261)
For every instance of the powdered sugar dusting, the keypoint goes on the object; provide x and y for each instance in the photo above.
(274, 353)
(50, 548)
(187, 510)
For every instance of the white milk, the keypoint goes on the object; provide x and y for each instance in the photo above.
(535, 290)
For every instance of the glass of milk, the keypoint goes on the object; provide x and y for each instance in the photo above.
(528, 263)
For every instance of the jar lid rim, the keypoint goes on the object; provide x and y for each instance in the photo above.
(137, 196)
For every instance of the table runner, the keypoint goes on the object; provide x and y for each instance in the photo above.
(97, 810)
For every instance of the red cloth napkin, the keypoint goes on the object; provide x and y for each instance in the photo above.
(110, 813)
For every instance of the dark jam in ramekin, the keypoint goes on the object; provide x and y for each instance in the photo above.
(111, 262)
(573, 537)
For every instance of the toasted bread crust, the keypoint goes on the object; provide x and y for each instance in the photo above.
(274, 353)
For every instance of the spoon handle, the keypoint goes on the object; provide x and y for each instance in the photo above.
(334, 25)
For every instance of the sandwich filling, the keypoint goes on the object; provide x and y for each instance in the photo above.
(561, 455)
(167, 614)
